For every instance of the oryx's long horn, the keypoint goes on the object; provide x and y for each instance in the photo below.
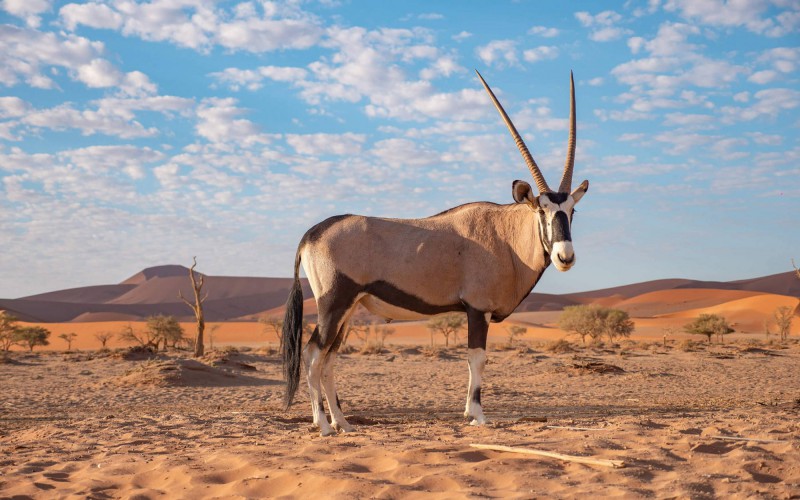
(541, 184)
(566, 179)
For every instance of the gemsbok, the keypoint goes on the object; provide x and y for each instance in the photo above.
(480, 258)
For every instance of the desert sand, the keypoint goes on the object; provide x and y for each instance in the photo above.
(90, 424)
(689, 420)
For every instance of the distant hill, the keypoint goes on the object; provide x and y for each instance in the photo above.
(155, 291)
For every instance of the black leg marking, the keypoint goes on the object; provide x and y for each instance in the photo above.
(477, 328)
(476, 395)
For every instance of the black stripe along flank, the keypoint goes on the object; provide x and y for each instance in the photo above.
(344, 291)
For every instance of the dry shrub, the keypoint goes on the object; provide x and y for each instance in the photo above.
(559, 347)
(687, 345)
(434, 352)
(138, 353)
(371, 348)
(347, 349)
(267, 350)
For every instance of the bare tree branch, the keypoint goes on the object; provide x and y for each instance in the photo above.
(197, 306)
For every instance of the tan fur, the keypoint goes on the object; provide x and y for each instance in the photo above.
(482, 254)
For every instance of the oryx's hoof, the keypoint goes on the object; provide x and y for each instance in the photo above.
(330, 431)
(479, 420)
(343, 427)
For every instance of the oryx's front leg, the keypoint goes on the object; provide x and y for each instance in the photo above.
(478, 327)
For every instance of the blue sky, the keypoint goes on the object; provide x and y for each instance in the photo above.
(139, 133)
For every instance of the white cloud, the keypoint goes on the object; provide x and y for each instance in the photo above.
(499, 53)
(671, 65)
(602, 25)
(768, 103)
(370, 65)
(544, 31)
(430, 16)
(326, 144)
(101, 160)
(28, 10)
(541, 53)
(763, 77)
(267, 35)
(743, 96)
(443, 66)
(688, 120)
(461, 36)
(403, 153)
(747, 13)
(765, 139)
(683, 143)
(27, 52)
(93, 15)
(89, 122)
(30, 53)
(12, 107)
(252, 79)
(112, 116)
(99, 73)
(219, 123)
(200, 24)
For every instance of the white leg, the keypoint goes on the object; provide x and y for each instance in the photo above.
(477, 361)
(329, 385)
(313, 361)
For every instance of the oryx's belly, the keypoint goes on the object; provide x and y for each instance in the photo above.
(381, 308)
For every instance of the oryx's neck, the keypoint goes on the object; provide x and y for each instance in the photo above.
(523, 237)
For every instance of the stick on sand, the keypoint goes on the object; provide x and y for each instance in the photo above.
(617, 464)
(734, 438)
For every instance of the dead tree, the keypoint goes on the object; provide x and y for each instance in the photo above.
(197, 307)
(797, 273)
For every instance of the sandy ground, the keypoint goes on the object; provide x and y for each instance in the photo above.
(97, 425)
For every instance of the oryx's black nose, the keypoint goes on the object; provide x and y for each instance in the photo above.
(566, 260)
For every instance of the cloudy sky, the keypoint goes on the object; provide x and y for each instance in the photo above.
(140, 133)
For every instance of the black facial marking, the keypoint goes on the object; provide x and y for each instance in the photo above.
(476, 395)
(561, 227)
(543, 232)
(477, 329)
(557, 198)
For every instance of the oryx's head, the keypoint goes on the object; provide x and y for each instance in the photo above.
(554, 209)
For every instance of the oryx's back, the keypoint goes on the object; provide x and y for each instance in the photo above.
(427, 258)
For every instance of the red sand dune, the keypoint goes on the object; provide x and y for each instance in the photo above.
(236, 303)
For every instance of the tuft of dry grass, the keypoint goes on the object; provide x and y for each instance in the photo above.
(559, 347)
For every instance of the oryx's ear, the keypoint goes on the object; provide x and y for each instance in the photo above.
(580, 191)
(523, 193)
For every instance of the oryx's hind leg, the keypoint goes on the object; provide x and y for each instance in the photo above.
(333, 309)
(329, 385)
(478, 328)
(313, 358)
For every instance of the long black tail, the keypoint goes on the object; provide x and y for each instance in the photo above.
(292, 338)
